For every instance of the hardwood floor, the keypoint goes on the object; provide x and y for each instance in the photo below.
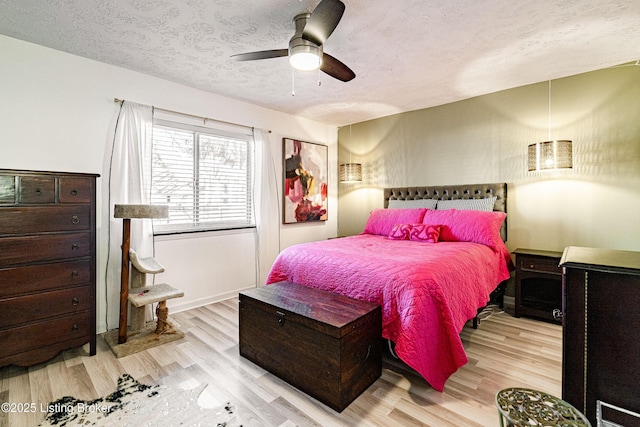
(503, 352)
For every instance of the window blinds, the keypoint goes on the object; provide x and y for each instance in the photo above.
(205, 175)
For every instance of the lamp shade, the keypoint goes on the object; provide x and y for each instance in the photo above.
(351, 172)
(141, 211)
(547, 155)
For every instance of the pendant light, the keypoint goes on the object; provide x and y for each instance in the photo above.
(350, 172)
(551, 154)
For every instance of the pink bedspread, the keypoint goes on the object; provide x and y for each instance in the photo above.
(427, 291)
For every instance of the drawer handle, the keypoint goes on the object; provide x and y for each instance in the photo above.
(557, 314)
(74, 247)
(74, 328)
(75, 301)
(74, 192)
(75, 219)
(74, 274)
(280, 318)
(531, 266)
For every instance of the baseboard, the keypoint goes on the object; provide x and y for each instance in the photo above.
(177, 308)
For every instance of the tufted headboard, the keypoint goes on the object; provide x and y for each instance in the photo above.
(451, 192)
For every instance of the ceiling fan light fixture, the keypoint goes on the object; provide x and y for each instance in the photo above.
(305, 50)
(305, 57)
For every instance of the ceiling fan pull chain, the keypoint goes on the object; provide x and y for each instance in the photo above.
(319, 75)
(293, 83)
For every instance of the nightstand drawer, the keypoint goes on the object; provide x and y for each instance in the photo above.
(545, 265)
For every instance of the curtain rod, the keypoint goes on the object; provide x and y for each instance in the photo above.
(120, 101)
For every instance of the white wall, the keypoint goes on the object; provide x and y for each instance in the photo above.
(58, 114)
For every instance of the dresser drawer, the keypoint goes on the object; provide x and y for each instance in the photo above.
(545, 265)
(43, 219)
(43, 277)
(37, 190)
(42, 334)
(14, 311)
(22, 250)
(76, 190)
(7, 189)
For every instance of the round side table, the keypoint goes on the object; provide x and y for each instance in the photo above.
(523, 407)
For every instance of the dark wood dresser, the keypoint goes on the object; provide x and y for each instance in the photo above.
(601, 344)
(47, 264)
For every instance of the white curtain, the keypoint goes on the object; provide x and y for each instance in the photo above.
(267, 211)
(128, 174)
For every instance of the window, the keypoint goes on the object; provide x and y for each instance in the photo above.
(205, 175)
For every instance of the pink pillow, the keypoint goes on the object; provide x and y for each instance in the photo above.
(425, 233)
(400, 232)
(381, 221)
(468, 226)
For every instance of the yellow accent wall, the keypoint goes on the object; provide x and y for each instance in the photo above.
(485, 139)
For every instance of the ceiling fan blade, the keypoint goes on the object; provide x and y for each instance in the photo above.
(336, 69)
(263, 54)
(323, 20)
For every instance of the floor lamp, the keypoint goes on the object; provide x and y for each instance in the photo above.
(127, 213)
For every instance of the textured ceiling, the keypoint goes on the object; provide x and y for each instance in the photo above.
(407, 54)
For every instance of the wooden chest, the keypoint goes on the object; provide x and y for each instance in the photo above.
(47, 264)
(327, 345)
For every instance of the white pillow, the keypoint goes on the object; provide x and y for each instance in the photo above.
(410, 204)
(468, 204)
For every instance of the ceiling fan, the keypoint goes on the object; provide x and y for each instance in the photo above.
(305, 47)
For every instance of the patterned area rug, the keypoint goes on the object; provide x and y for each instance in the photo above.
(136, 404)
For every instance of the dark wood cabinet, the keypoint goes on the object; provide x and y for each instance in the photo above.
(47, 264)
(538, 284)
(601, 344)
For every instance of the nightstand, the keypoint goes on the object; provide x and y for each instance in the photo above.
(538, 284)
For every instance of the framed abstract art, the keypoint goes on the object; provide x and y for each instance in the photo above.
(305, 181)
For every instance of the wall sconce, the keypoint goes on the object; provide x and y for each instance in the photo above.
(350, 172)
(551, 154)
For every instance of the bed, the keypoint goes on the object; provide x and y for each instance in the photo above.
(429, 268)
